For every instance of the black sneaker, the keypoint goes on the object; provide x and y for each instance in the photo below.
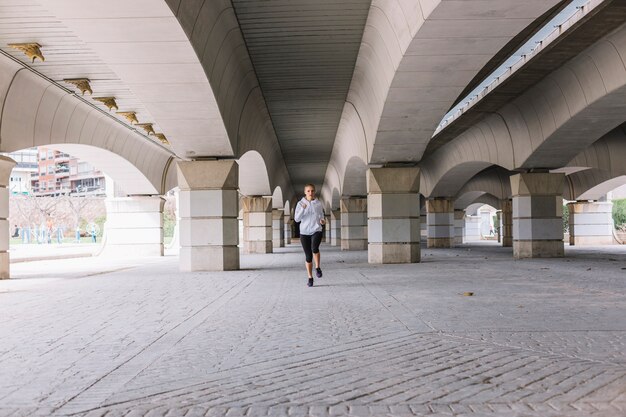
(318, 272)
(310, 283)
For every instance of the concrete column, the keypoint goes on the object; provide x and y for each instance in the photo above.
(498, 225)
(485, 223)
(507, 223)
(459, 226)
(440, 219)
(353, 223)
(174, 245)
(393, 209)
(472, 228)
(257, 224)
(134, 226)
(537, 215)
(208, 215)
(335, 225)
(6, 166)
(590, 223)
(327, 229)
(278, 228)
(287, 228)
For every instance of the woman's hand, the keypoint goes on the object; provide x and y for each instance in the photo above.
(303, 205)
(322, 222)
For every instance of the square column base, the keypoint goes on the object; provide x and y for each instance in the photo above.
(393, 253)
(590, 240)
(133, 250)
(353, 244)
(538, 249)
(258, 246)
(440, 242)
(507, 241)
(209, 258)
(5, 266)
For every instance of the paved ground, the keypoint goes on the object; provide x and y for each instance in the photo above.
(122, 338)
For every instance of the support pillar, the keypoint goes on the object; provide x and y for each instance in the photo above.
(393, 207)
(459, 226)
(507, 223)
(278, 228)
(287, 228)
(590, 223)
(537, 215)
(353, 223)
(134, 226)
(440, 218)
(498, 225)
(6, 166)
(327, 229)
(472, 228)
(208, 215)
(335, 225)
(257, 224)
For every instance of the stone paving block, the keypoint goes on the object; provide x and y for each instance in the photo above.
(149, 340)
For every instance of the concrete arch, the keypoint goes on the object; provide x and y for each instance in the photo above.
(486, 143)
(277, 198)
(558, 118)
(36, 112)
(215, 35)
(598, 169)
(591, 185)
(463, 201)
(350, 142)
(551, 123)
(253, 176)
(287, 208)
(608, 154)
(355, 178)
(487, 199)
(414, 63)
(494, 181)
(335, 199)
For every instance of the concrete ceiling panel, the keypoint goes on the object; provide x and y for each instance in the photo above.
(433, 78)
(504, 28)
(131, 29)
(145, 52)
(486, 9)
(113, 9)
(174, 93)
(461, 47)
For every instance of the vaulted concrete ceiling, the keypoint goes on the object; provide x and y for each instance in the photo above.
(304, 54)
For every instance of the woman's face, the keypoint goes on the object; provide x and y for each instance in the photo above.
(309, 192)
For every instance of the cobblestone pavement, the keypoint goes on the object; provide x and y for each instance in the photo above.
(543, 337)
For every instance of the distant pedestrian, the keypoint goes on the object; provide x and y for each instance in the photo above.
(93, 233)
(59, 234)
(77, 234)
(310, 214)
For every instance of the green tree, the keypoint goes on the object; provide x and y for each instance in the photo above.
(565, 218)
(619, 213)
(169, 221)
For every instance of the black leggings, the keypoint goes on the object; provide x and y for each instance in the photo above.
(311, 245)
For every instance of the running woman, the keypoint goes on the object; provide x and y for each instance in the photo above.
(310, 214)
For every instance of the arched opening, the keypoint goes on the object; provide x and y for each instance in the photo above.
(65, 200)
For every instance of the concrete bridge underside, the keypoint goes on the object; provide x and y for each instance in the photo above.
(238, 104)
